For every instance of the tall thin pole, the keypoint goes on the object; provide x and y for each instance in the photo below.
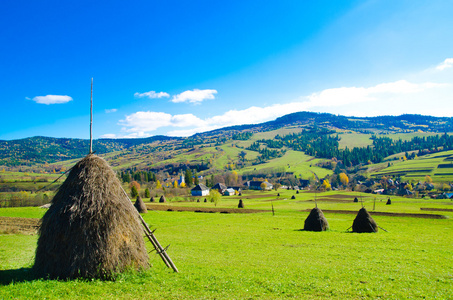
(91, 118)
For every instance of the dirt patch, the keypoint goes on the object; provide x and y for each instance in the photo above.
(19, 225)
(436, 209)
(388, 214)
(204, 209)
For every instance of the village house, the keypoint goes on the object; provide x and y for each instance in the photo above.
(200, 190)
(229, 192)
(256, 185)
(220, 187)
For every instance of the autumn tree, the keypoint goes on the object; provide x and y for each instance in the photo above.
(158, 184)
(344, 179)
(136, 184)
(326, 185)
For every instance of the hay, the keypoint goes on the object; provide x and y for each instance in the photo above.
(293, 197)
(356, 200)
(140, 205)
(151, 199)
(205, 200)
(316, 221)
(388, 202)
(363, 222)
(91, 230)
(241, 204)
(162, 199)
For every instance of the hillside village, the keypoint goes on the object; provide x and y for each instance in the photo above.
(318, 152)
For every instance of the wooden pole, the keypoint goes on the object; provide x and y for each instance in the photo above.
(91, 117)
(149, 234)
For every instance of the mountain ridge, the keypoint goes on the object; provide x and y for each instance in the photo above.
(41, 149)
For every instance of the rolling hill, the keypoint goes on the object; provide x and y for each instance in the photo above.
(302, 143)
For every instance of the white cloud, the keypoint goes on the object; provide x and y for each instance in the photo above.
(349, 99)
(152, 95)
(194, 96)
(109, 111)
(428, 93)
(350, 95)
(447, 63)
(52, 99)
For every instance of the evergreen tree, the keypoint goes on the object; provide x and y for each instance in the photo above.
(188, 177)
(134, 192)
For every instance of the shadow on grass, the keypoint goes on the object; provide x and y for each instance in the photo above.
(17, 275)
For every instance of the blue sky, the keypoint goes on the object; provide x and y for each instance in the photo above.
(181, 67)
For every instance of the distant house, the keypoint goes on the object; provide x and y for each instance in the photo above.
(219, 187)
(236, 188)
(229, 192)
(200, 190)
(256, 185)
(379, 191)
(445, 196)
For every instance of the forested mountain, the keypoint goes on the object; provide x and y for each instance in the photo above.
(318, 139)
(41, 149)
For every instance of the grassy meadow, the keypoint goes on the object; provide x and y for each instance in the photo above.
(266, 256)
(438, 166)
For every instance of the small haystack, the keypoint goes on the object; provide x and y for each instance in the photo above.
(388, 202)
(241, 204)
(162, 199)
(316, 221)
(91, 230)
(293, 197)
(356, 200)
(140, 205)
(363, 222)
(205, 200)
(198, 200)
(152, 199)
(297, 192)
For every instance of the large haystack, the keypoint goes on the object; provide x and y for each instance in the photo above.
(363, 222)
(316, 221)
(91, 230)
(162, 199)
(140, 205)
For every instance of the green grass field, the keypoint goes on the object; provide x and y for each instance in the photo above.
(301, 165)
(261, 256)
(417, 169)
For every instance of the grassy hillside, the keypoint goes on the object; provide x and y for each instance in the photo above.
(439, 166)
